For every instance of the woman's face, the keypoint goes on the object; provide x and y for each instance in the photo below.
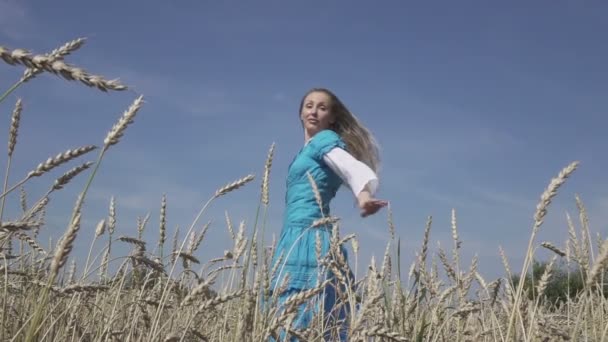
(315, 112)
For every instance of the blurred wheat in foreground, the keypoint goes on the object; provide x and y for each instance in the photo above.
(153, 294)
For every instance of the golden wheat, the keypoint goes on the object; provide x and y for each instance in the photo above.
(142, 297)
(58, 67)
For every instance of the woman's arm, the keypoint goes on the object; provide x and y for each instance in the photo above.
(362, 180)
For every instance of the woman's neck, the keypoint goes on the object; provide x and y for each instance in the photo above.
(307, 136)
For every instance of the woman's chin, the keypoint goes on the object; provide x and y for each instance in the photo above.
(313, 129)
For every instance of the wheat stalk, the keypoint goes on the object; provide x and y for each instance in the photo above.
(266, 177)
(30, 241)
(14, 129)
(23, 199)
(76, 288)
(154, 265)
(59, 68)
(68, 176)
(549, 193)
(539, 215)
(57, 53)
(324, 221)
(163, 225)
(600, 264)
(112, 216)
(553, 248)
(141, 225)
(36, 209)
(544, 279)
(585, 233)
(52, 163)
(188, 257)
(233, 186)
(200, 237)
(60, 159)
(315, 190)
(391, 223)
(219, 300)
(65, 246)
(100, 228)
(119, 128)
(10, 226)
(133, 241)
(381, 331)
(202, 288)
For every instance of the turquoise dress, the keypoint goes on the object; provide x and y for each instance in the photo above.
(296, 246)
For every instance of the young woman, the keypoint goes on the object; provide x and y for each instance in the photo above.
(337, 150)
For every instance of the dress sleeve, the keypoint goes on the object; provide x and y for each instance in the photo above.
(353, 172)
(323, 142)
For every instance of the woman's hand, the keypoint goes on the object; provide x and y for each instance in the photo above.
(368, 204)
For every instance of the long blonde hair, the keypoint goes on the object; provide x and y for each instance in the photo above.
(358, 139)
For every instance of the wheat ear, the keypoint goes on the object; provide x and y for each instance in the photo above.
(233, 186)
(15, 119)
(600, 263)
(162, 225)
(59, 68)
(12, 141)
(119, 128)
(64, 247)
(266, 177)
(68, 176)
(553, 248)
(539, 215)
(57, 53)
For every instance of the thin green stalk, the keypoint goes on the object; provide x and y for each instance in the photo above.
(4, 304)
(58, 317)
(10, 90)
(26, 322)
(86, 264)
(8, 167)
(163, 298)
(248, 255)
(21, 182)
(6, 175)
(604, 333)
(120, 286)
(579, 315)
(260, 255)
(32, 333)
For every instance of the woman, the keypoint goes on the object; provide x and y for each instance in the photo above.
(338, 150)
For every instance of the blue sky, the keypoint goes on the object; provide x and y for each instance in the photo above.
(476, 105)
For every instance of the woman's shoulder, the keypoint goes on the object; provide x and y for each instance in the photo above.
(327, 135)
(325, 140)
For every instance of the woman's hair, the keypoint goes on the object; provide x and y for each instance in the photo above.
(358, 139)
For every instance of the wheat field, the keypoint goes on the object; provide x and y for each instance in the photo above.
(148, 296)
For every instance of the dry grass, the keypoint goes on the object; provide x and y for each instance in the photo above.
(177, 297)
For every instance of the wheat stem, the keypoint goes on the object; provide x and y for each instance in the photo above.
(539, 215)
(12, 141)
(220, 192)
(59, 68)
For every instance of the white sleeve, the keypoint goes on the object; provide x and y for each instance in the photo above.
(352, 171)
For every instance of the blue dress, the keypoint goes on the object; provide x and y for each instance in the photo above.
(296, 246)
